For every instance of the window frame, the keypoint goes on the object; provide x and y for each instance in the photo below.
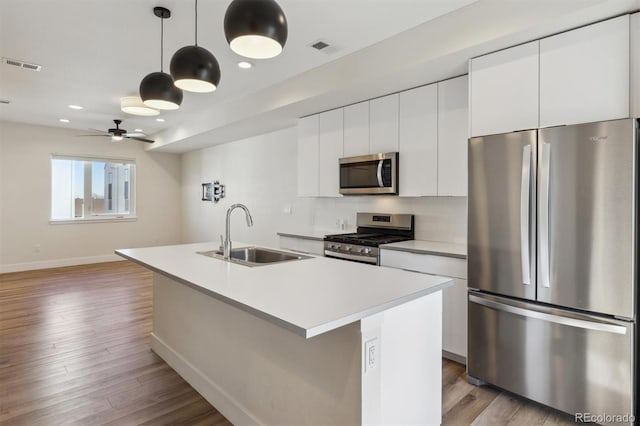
(102, 217)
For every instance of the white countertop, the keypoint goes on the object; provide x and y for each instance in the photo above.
(436, 248)
(309, 297)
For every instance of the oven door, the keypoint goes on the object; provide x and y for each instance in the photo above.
(369, 174)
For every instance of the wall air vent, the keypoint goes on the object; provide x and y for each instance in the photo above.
(21, 64)
(323, 46)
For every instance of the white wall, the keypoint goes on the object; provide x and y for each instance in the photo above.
(261, 173)
(25, 191)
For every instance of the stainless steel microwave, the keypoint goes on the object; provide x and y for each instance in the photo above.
(374, 174)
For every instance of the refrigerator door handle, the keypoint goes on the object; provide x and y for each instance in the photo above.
(525, 196)
(543, 214)
(588, 324)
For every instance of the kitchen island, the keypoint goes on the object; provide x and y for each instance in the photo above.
(311, 341)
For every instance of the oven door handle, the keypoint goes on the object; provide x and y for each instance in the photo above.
(345, 256)
(379, 174)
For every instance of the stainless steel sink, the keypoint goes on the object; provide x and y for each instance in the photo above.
(255, 256)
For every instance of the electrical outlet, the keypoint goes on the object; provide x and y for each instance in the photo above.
(287, 210)
(371, 354)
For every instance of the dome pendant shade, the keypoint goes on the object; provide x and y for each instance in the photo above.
(255, 28)
(195, 69)
(158, 91)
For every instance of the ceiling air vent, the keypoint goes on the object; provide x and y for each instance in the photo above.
(21, 64)
(323, 46)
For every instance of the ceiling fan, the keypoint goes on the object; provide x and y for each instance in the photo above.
(117, 134)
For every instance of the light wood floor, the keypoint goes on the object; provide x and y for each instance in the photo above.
(74, 349)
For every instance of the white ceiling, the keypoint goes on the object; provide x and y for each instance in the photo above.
(94, 52)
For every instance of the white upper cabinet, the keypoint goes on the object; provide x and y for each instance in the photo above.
(504, 90)
(635, 65)
(453, 115)
(418, 146)
(330, 151)
(308, 133)
(356, 129)
(383, 136)
(584, 74)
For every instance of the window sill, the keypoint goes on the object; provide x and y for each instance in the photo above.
(109, 219)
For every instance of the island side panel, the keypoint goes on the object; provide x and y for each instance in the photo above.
(253, 371)
(402, 364)
(411, 360)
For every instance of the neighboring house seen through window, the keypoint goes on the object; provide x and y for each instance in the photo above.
(88, 188)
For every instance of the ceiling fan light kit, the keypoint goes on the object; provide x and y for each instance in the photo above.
(134, 105)
(255, 28)
(194, 68)
(157, 90)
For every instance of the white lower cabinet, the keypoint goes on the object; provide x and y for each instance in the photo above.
(454, 298)
(302, 245)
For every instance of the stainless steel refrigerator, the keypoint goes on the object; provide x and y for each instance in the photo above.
(553, 266)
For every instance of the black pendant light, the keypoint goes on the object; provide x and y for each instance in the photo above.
(255, 28)
(157, 89)
(194, 68)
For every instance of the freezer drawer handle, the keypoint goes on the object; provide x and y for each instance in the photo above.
(544, 214)
(525, 195)
(571, 322)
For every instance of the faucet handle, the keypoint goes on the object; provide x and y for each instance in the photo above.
(221, 243)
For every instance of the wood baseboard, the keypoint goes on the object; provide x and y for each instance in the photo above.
(57, 263)
(225, 404)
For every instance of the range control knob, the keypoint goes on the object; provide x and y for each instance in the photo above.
(349, 248)
(367, 250)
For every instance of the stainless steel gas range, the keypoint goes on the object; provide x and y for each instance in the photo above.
(373, 229)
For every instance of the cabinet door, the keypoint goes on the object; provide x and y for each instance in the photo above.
(383, 128)
(584, 74)
(504, 90)
(635, 65)
(356, 129)
(453, 120)
(418, 146)
(454, 318)
(330, 149)
(308, 156)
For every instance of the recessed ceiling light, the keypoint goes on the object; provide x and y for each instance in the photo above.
(160, 120)
(64, 120)
(137, 130)
(245, 65)
(75, 107)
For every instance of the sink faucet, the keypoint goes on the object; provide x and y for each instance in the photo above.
(226, 250)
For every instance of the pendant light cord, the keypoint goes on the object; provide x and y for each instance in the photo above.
(196, 22)
(161, 42)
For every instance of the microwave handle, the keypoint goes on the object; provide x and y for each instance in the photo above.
(380, 182)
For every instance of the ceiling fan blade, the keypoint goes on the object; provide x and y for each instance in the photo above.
(107, 136)
(134, 135)
(140, 139)
(99, 131)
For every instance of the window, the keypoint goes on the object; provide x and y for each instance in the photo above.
(86, 188)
